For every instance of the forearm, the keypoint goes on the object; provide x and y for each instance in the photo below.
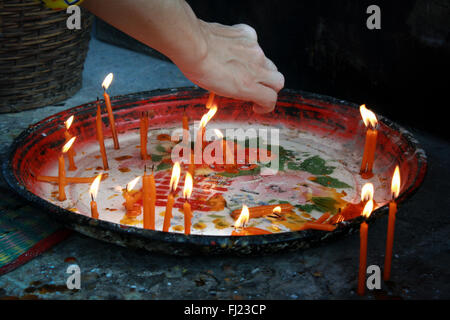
(169, 26)
(226, 60)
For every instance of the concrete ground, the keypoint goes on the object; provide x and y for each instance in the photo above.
(420, 265)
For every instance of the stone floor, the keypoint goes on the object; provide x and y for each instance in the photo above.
(420, 265)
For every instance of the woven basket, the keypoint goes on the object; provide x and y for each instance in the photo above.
(41, 60)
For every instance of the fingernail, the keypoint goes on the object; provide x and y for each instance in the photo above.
(261, 109)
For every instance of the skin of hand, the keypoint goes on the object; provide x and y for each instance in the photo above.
(235, 66)
(226, 60)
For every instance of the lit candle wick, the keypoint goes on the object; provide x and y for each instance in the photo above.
(176, 170)
(243, 218)
(93, 190)
(366, 192)
(105, 85)
(370, 121)
(187, 191)
(395, 191)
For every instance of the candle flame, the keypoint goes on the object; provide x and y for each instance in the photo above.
(367, 192)
(176, 170)
(395, 186)
(68, 144)
(277, 209)
(68, 122)
(218, 133)
(107, 81)
(188, 184)
(210, 100)
(93, 190)
(132, 183)
(243, 217)
(368, 209)
(208, 116)
(368, 116)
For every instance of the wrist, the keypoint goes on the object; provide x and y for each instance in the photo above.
(189, 47)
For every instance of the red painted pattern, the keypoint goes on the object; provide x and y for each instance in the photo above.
(204, 189)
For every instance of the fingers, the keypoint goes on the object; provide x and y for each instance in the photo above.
(247, 31)
(261, 110)
(264, 97)
(236, 31)
(272, 79)
(237, 67)
(265, 94)
(270, 65)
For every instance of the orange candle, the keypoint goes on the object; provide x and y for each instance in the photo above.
(71, 152)
(264, 210)
(185, 123)
(204, 142)
(363, 230)
(94, 211)
(228, 157)
(187, 143)
(62, 170)
(336, 219)
(369, 153)
(187, 191)
(152, 201)
(229, 153)
(149, 200)
(101, 141)
(198, 149)
(323, 217)
(187, 217)
(133, 209)
(319, 226)
(168, 212)
(362, 258)
(249, 231)
(129, 201)
(191, 167)
(70, 179)
(369, 118)
(112, 123)
(395, 189)
(93, 190)
(61, 178)
(240, 225)
(143, 134)
(241, 221)
(225, 151)
(170, 199)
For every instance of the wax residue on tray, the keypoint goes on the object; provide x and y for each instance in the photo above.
(312, 177)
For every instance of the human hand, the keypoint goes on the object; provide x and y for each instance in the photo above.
(226, 60)
(234, 65)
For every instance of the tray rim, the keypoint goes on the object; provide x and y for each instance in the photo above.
(179, 243)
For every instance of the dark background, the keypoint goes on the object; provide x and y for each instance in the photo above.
(322, 46)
